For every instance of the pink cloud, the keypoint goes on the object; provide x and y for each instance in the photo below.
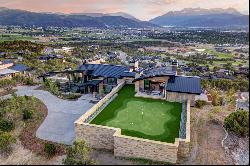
(143, 9)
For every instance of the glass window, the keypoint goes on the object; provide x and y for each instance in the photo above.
(146, 84)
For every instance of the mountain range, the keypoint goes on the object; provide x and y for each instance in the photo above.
(122, 14)
(188, 17)
(197, 17)
(26, 18)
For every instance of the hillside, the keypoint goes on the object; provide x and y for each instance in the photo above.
(197, 17)
(26, 18)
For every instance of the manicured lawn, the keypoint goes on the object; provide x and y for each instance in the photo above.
(144, 118)
(220, 54)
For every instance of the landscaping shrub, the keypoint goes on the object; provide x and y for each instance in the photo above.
(238, 122)
(200, 103)
(27, 114)
(78, 154)
(7, 84)
(72, 96)
(52, 87)
(6, 140)
(49, 149)
(217, 99)
(6, 125)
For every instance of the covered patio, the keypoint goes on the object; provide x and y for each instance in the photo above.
(91, 86)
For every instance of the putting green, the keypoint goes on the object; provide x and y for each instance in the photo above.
(139, 117)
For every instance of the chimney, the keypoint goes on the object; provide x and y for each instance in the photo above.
(84, 61)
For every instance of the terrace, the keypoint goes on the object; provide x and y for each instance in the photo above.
(145, 118)
(137, 127)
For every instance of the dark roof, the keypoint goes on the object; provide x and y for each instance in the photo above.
(19, 67)
(184, 84)
(7, 61)
(93, 82)
(157, 72)
(104, 70)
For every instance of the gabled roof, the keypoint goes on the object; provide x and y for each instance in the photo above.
(105, 70)
(156, 72)
(7, 71)
(184, 84)
(13, 69)
(4, 62)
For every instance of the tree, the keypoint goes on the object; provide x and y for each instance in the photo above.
(200, 103)
(216, 97)
(78, 154)
(238, 122)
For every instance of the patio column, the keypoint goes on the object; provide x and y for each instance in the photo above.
(101, 88)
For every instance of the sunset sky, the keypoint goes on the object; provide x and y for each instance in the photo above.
(142, 9)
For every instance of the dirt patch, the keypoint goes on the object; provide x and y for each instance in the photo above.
(4, 93)
(206, 136)
(22, 156)
(104, 157)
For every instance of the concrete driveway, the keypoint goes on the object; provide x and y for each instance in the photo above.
(59, 124)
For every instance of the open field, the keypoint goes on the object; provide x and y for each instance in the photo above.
(144, 118)
(13, 37)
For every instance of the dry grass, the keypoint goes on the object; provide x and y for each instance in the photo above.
(206, 135)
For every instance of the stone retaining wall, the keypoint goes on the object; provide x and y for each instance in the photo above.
(102, 137)
(98, 137)
(87, 116)
(131, 147)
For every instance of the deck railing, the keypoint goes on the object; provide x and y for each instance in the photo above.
(183, 122)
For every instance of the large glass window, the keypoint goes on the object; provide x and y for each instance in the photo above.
(147, 84)
(111, 81)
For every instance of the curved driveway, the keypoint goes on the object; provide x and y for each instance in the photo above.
(59, 124)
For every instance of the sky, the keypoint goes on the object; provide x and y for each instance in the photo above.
(141, 9)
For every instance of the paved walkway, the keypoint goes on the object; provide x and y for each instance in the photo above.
(59, 124)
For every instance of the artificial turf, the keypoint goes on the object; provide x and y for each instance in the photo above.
(152, 119)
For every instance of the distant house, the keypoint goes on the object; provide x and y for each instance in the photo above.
(210, 56)
(112, 55)
(242, 71)
(93, 47)
(173, 62)
(2, 54)
(66, 50)
(12, 70)
(5, 64)
(50, 57)
(223, 73)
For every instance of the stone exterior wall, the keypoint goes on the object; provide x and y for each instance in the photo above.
(140, 83)
(179, 97)
(125, 146)
(99, 137)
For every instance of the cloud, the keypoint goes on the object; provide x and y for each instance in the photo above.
(142, 9)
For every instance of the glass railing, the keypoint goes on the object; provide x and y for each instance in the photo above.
(183, 122)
